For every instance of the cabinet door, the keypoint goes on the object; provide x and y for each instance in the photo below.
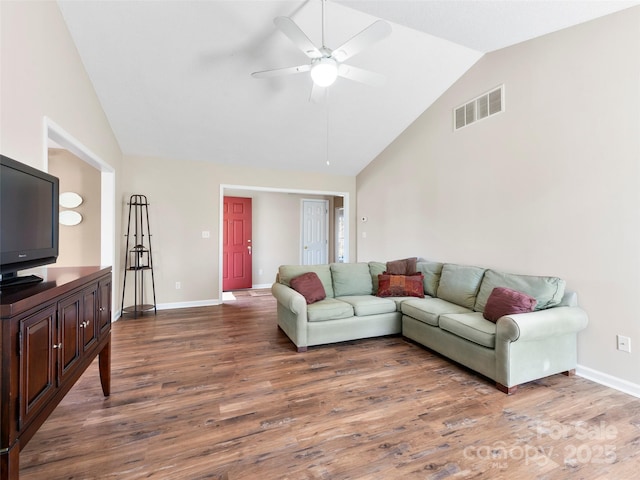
(69, 319)
(89, 326)
(104, 305)
(37, 349)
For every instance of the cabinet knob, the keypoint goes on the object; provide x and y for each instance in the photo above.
(57, 345)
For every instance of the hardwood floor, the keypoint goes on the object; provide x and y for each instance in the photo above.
(220, 393)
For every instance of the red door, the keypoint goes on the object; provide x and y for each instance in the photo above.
(236, 246)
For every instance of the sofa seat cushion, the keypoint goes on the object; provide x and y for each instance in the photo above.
(428, 310)
(328, 309)
(399, 301)
(470, 326)
(364, 305)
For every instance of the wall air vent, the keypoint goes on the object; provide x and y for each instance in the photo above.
(479, 108)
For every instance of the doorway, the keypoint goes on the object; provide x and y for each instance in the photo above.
(315, 232)
(55, 136)
(236, 244)
(283, 234)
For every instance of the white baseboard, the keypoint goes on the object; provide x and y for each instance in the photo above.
(168, 306)
(198, 303)
(608, 380)
(262, 285)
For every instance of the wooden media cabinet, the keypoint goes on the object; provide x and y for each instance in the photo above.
(50, 333)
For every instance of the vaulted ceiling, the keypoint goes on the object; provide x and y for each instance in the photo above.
(174, 77)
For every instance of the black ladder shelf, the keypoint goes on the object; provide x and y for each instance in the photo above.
(138, 258)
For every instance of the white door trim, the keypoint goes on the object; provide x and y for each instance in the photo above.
(55, 133)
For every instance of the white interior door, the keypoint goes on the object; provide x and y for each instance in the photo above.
(315, 235)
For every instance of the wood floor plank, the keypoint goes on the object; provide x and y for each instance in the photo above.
(220, 393)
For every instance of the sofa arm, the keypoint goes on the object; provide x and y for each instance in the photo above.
(290, 299)
(292, 314)
(541, 324)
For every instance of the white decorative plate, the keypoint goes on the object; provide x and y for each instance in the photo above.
(70, 200)
(70, 217)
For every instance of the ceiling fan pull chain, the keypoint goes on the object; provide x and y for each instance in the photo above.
(324, 45)
(327, 111)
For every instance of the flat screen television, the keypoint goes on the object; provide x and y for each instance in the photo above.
(28, 221)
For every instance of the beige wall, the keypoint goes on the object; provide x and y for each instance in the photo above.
(79, 244)
(551, 186)
(184, 199)
(42, 76)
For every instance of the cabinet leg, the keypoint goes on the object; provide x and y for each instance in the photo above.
(104, 363)
(10, 462)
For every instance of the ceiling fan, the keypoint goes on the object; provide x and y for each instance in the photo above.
(327, 64)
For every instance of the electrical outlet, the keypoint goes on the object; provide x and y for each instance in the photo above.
(624, 343)
(178, 286)
(206, 234)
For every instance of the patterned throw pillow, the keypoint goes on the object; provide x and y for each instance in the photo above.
(505, 301)
(309, 285)
(401, 285)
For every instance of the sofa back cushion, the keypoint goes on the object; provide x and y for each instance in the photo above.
(548, 291)
(459, 284)
(351, 279)
(376, 268)
(431, 272)
(287, 272)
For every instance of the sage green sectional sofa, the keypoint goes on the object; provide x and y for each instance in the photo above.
(515, 349)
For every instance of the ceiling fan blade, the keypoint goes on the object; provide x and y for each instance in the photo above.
(297, 36)
(317, 93)
(281, 71)
(373, 33)
(361, 75)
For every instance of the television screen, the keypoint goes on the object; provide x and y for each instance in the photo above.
(28, 217)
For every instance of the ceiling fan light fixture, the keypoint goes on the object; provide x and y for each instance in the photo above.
(324, 72)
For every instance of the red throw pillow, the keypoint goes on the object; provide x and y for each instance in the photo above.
(504, 301)
(401, 285)
(310, 286)
(406, 266)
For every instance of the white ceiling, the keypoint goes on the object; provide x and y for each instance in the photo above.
(174, 76)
